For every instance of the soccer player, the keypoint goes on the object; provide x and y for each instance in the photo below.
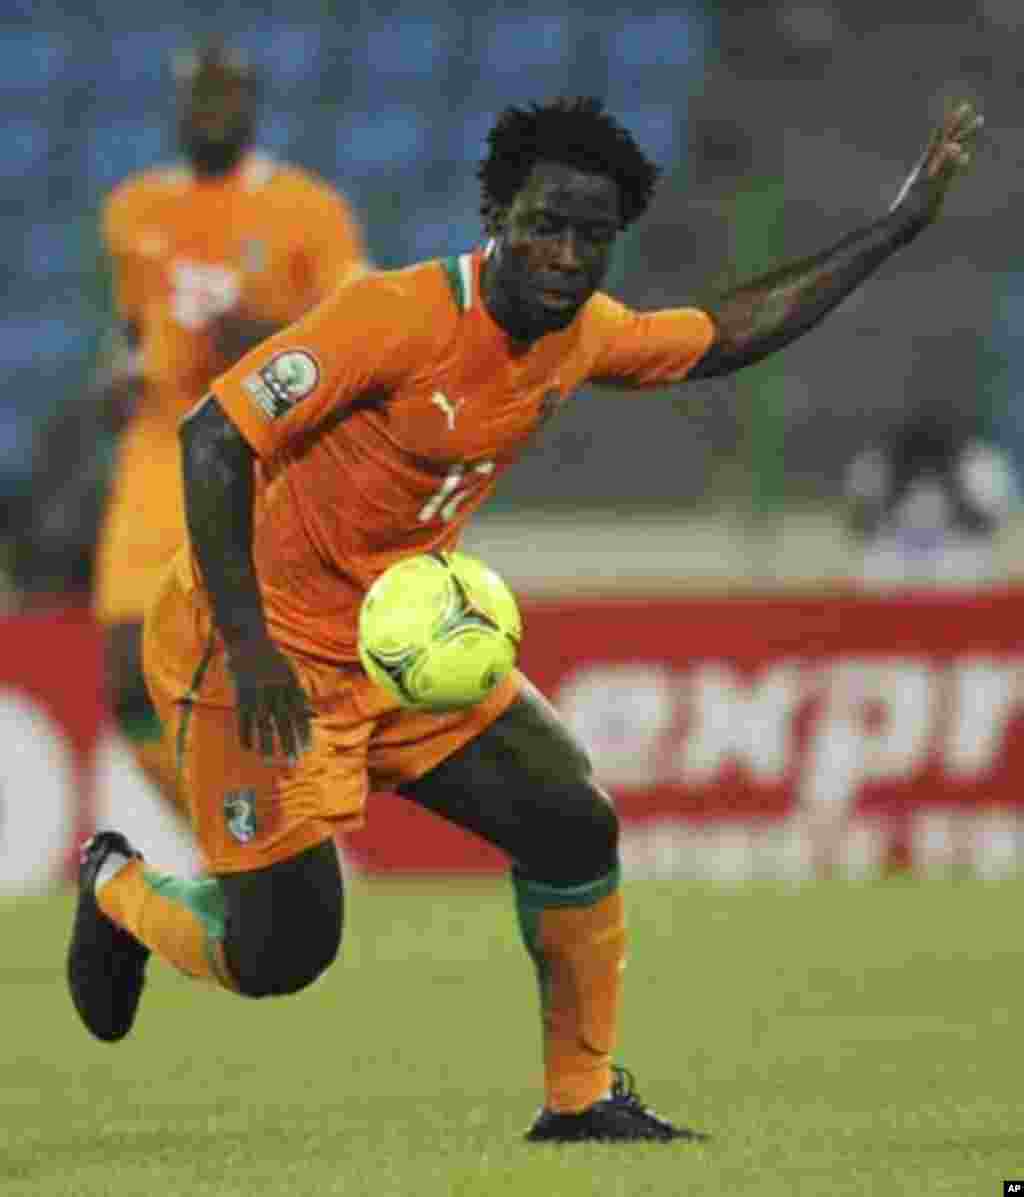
(209, 257)
(927, 501)
(371, 430)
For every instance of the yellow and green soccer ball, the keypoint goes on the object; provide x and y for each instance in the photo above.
(439, 631)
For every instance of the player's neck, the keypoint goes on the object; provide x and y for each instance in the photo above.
(216, 166)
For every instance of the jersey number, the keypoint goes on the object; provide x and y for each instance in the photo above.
(457, 485)
(201, 292)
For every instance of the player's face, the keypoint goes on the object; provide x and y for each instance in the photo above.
(216, 121)
(552, 249)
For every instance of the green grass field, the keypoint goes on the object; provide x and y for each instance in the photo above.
(836, 1040)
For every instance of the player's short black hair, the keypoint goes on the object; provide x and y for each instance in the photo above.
(213, 59)
(575, 131)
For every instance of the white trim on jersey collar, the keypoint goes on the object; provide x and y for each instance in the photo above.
(466, 274)
(256, 170)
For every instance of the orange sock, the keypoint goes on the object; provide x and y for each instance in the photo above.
(181, 921)
(577, 938)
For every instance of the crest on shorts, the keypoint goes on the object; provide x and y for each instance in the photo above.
(240, 815)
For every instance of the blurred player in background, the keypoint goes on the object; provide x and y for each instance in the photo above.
(209, 257)
(927, 501)
(369, 431)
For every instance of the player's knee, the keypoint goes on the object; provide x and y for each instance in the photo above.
(599, 835)
(284, 959)
(289, 967)
(580, 842)
(284, 923)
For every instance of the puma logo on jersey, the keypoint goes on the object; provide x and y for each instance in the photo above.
(448, 406)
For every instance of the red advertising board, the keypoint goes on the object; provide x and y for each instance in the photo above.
(704, 717)
(51, 716)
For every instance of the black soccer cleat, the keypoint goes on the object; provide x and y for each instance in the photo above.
(106, 965)
(621, 1118)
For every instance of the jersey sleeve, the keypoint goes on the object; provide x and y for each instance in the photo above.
(645, 349)
(364, 338)
(120, 238)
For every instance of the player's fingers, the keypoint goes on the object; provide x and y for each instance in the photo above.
(265, 728)
(959, 112)
(245, 726)
(968, 123)
(302, 737)
(951, 158)
(959, 115)
(300, 714)
(969, 133)
(937, 161)
(972, 121)
(304, 728)
(950, 128)
(958, 157)
(283, 718)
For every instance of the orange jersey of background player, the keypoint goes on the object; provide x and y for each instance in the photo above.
(264, 243)
(385, 417)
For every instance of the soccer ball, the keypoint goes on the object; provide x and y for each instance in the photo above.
(439, 631)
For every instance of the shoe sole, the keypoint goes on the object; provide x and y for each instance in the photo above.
(105, 965)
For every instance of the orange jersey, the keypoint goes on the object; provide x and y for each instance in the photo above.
(266, 242)
(385, 417)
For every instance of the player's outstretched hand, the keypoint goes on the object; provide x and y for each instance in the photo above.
(947, 155)
(272, 706)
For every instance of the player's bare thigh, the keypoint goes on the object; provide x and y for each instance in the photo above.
(524, 784)
(534, 735)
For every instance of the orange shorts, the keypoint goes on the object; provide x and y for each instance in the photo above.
(248, 812)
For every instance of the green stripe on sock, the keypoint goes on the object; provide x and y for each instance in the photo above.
(536, 896)
(204, 897)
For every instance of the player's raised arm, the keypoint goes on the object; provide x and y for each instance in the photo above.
(217, 465)
(764, 315)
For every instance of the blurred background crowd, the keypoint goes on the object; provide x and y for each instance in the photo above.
(779, 127)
